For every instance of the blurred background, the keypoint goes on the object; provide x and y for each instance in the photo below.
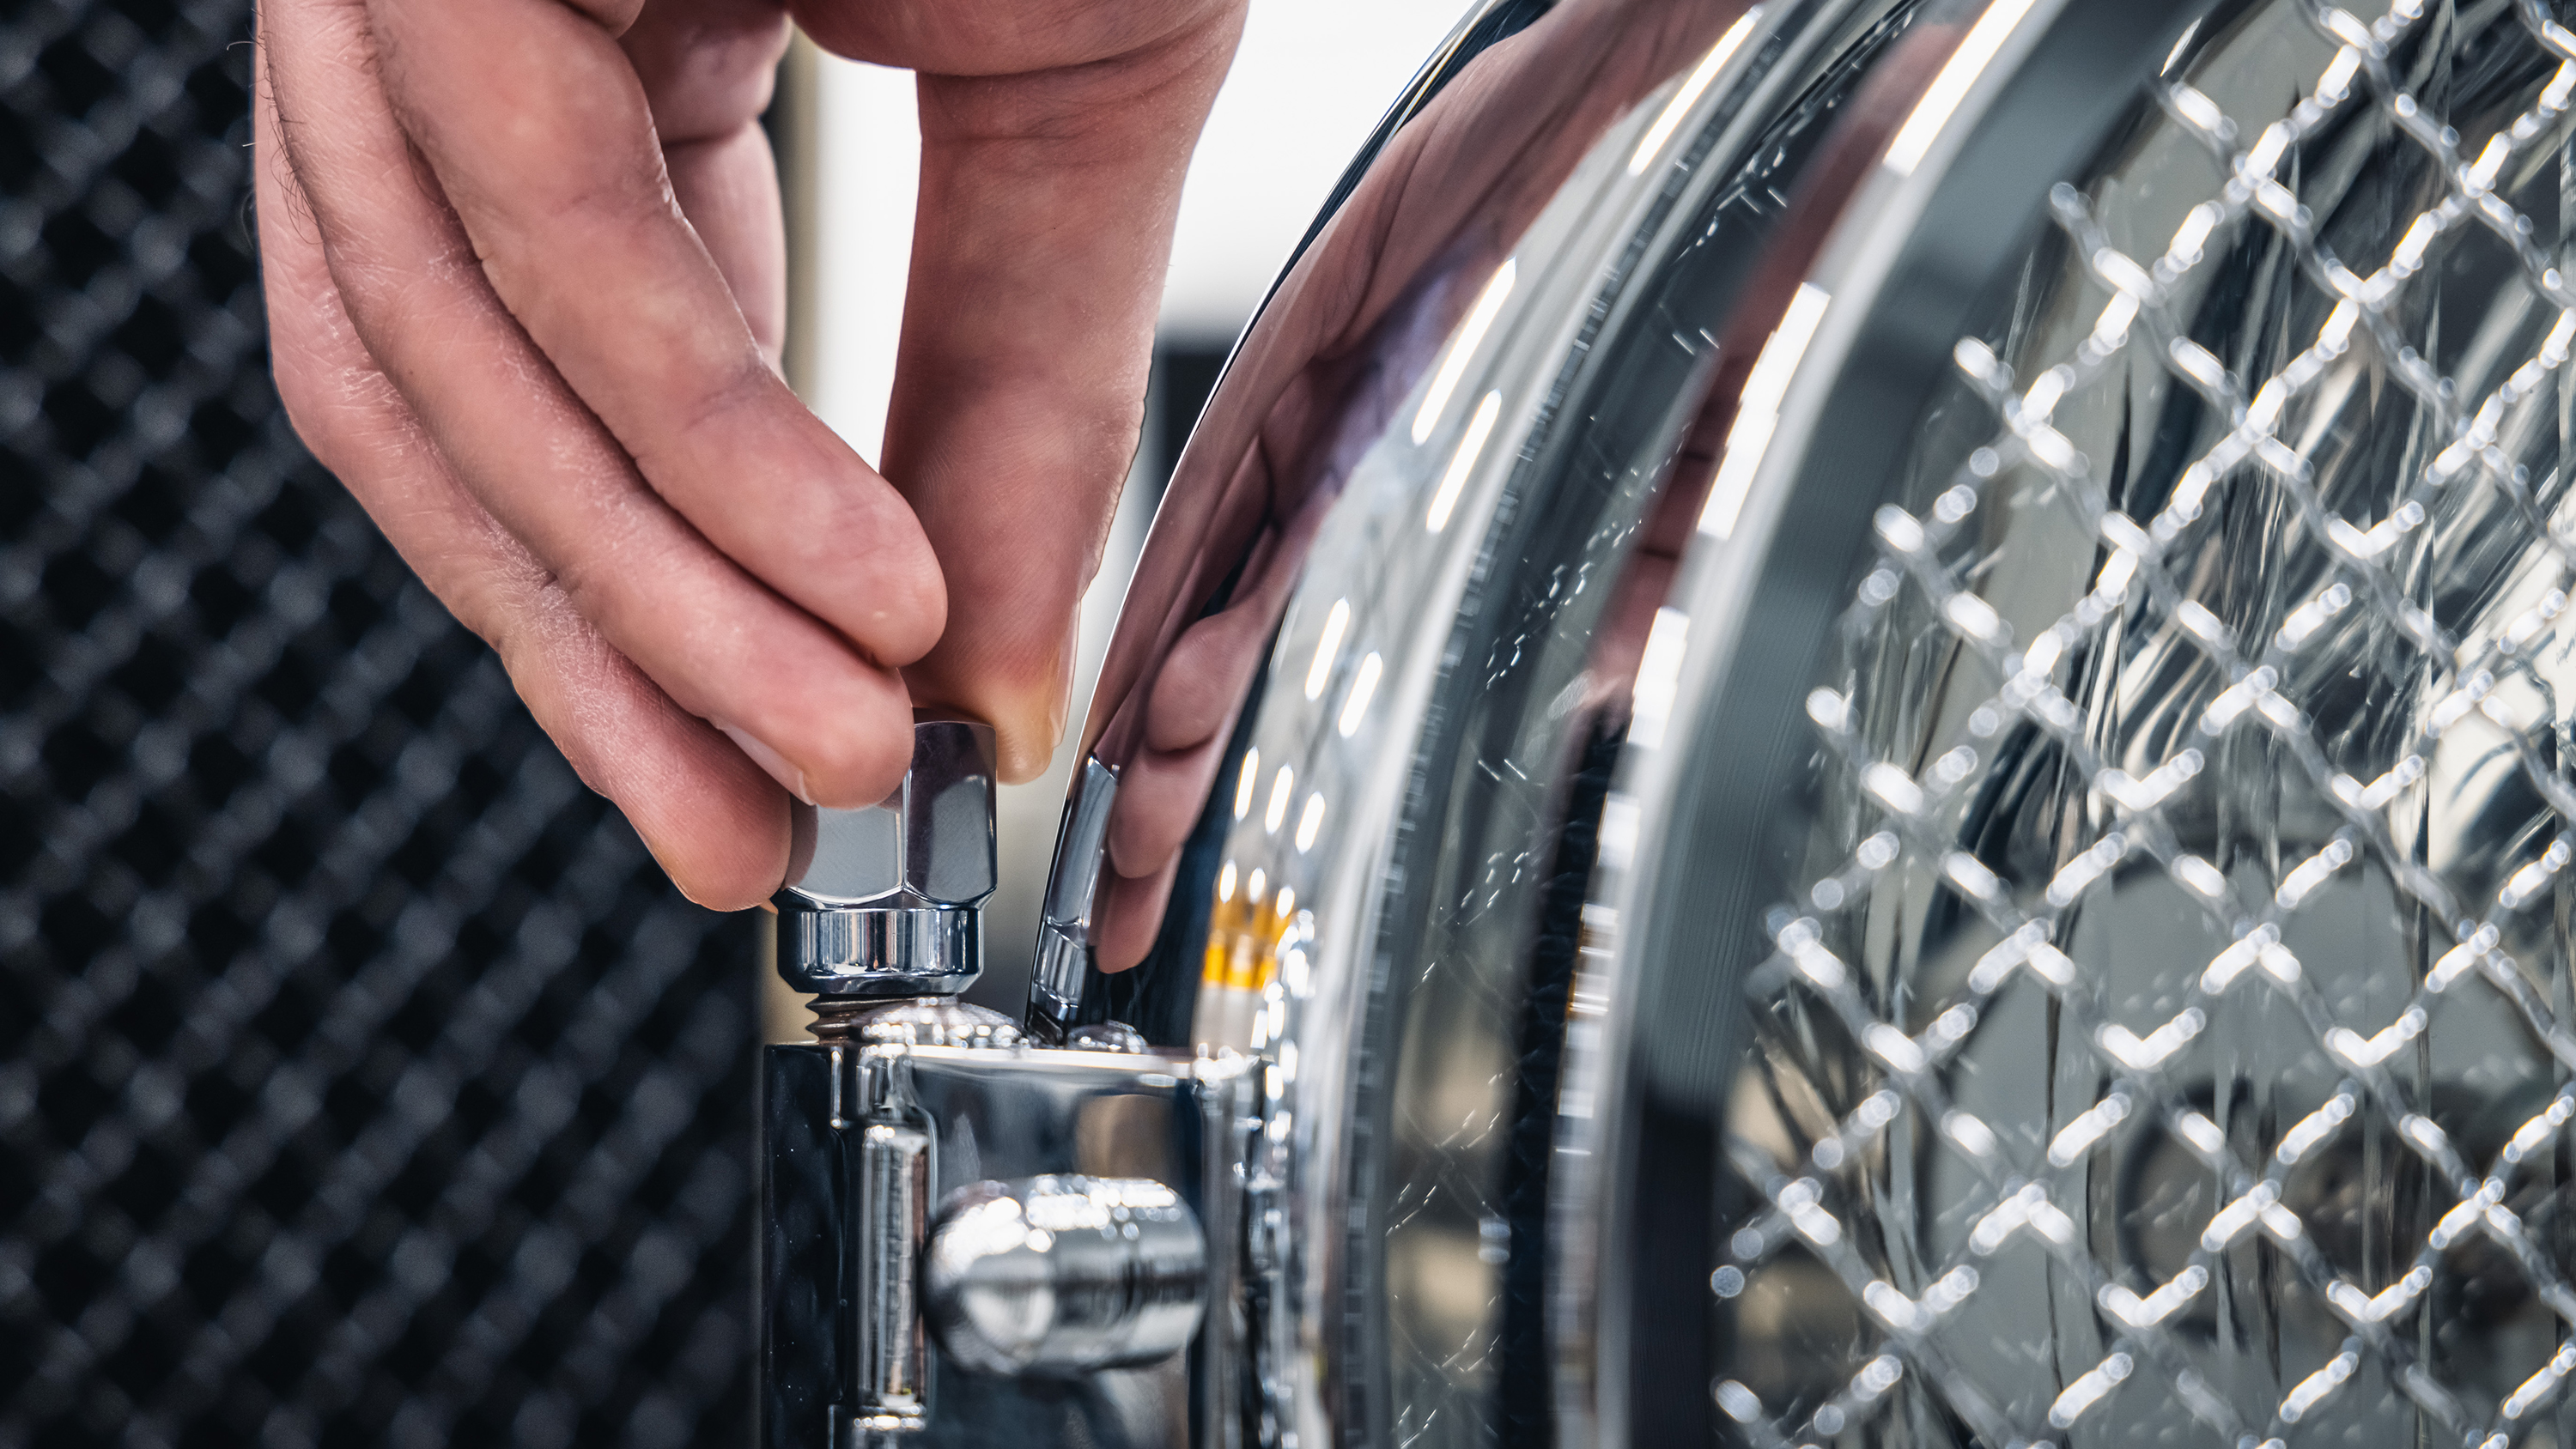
(360, 1077)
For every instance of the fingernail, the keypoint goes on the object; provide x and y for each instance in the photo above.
(768, 759)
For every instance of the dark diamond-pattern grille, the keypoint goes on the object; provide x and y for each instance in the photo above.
(361, 1080)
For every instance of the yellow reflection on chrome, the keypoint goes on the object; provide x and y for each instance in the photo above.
(1241, 963)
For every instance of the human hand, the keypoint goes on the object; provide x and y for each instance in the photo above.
(525, 269)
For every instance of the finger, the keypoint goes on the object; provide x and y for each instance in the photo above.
(707, 68)
(823, 718)
(1052, 158)
(714, 821)
(563, 190)
(728, 186)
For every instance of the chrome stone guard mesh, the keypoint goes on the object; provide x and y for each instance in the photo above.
(2024, 1203)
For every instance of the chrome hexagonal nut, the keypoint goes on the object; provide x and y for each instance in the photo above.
(884, 899)
(947, 814)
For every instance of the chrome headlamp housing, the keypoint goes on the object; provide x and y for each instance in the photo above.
(1338, 740)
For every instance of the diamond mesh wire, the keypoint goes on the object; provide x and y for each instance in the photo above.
(2350, 590)
(360, 1078)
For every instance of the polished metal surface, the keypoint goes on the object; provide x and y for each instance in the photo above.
(864, 1136)
(919, 1021)
(886, 901)
(2083, 954)
(1063, 965)
(1062, 1276)
(1108, 1036)
(881, 951)
(895, 1146)
(2074, 950)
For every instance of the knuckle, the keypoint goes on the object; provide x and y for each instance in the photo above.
(613, 16)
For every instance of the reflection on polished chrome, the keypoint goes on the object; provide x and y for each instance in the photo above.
(1351, 745)
(1063, 957)
(1407, 953)
(887, 900)
(902, 951)
(1107, 1036)
(1064, 1275)
(914, 1022)
(2095, 928)
(894, 1145)
(904, 1106)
